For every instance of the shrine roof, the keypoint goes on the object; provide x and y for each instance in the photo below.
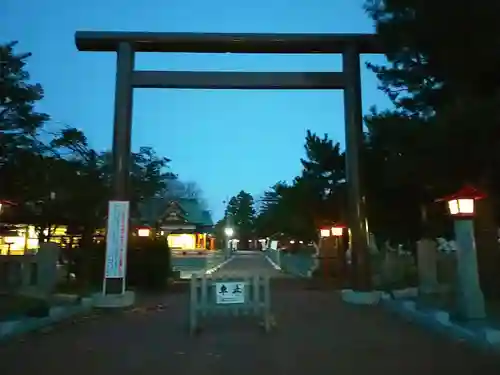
(155, 209)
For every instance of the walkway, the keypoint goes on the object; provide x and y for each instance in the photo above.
(316, 334)
(248, 263)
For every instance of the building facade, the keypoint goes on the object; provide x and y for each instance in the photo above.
(184, 222)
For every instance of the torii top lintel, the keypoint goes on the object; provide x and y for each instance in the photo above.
(108, 41)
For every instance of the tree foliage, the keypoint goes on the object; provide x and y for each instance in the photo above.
(240, 214)
(60, 179)
(435, 60)
(314, 198)
(19, 121)
(177, 189)
(443, 79)
(442, 132)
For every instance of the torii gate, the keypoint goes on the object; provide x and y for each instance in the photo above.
(126, 44)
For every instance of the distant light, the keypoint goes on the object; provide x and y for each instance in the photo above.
(325, 232)
(229, 232)
(337, 231)
(143, 232)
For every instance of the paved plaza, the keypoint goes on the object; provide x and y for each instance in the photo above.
(316, 333)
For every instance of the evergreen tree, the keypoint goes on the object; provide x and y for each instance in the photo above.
(443, 78)
(240, 215)
(19, 121)
(315, 197)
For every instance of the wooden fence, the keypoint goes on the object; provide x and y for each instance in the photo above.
(229, 296)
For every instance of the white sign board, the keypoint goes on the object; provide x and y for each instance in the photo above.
(230, 292)
(116, 239)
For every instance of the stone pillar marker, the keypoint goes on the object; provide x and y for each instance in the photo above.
(427, 259)
(327, 252)
(47, 258)
(470, 297)
(45, 261)
(390, 270)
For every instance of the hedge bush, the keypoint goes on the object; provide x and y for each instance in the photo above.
(148, 263)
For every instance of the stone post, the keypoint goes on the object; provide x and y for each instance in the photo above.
(327, 250)
(46, 260)
(470, 299)
(427, 259)
(389, 270)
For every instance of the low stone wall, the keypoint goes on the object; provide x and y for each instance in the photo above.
(13, 328)
(480, 335)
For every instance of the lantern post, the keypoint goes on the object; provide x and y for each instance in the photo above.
(470, 299)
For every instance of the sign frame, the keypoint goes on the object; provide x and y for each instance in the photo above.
(203, 304)
(116, 240)
(231, 287)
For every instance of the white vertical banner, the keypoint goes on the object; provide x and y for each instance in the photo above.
(116, 239)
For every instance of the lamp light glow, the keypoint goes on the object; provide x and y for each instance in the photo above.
(325, 232)
(337, 231)
(461, 204)
(143, 232)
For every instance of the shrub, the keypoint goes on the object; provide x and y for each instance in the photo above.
(148, 263)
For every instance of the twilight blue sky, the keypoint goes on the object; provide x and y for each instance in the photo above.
(224, 140)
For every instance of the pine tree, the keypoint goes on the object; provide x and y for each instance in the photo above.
(19, 121)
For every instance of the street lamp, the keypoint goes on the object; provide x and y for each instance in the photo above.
(470, 299)
(229, 231)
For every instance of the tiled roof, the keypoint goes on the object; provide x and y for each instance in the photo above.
(153, 210)
(194, 213)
